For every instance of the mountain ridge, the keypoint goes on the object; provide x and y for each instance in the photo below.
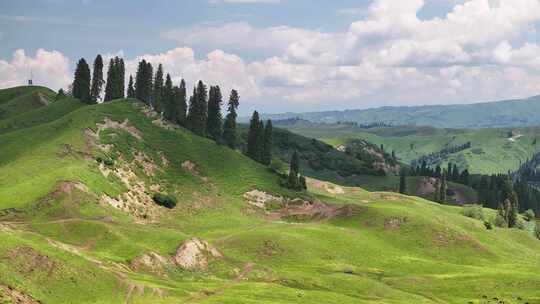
(504, 113)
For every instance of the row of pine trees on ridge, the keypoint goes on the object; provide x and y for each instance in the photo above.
(202, 114)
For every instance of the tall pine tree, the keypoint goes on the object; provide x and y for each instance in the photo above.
(267, 144)
(214, 124)
(168, 102)
(254, 141)
(229, 127)
(131, 89)
(109, 87)
(81, 82)
(157, 93)
(180, 96)
(442, 192)
(97, 79)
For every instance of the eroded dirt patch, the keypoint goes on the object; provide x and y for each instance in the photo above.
(297, 209)
(191, 167)
(93, 136)
(148, 165)
(195, 254)
(394, 222)
(28, 261)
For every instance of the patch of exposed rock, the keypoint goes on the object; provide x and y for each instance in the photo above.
(157, 119)
(93, 136)
(136, 201)
(148, 165)
(195, 254)
(15, 296)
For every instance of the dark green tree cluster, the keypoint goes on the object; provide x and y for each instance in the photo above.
(198, 109)
(259, 141)
(203, 115)
(81, 82)
(295, 180)
(453, 174)
(114, 88)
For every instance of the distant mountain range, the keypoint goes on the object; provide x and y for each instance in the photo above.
(507, 113)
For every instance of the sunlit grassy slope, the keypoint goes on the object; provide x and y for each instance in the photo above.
(64, 246)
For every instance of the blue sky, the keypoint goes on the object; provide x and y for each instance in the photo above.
(290, 55)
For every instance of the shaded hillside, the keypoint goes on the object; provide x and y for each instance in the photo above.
(491, 150)
(509, 113)
(323, 161)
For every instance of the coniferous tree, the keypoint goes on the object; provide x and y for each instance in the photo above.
(131, 89)
(198, 109)
(168, 101)
(180, 96)
(120, 78)
(253, 150)
(402, 182)
(81, 82)
(229, 128)
(294, 179)
(437, 191)
(109, 87)
(267, 144)
(143, 82)
(455, 174)
(61, 95)
(510, 202)
(442, 193)
(97, 79)
(214, 124)
(157, 92)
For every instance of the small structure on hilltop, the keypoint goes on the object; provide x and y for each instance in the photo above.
(30, 81)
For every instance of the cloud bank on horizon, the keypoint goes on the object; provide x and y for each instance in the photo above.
(478, 50)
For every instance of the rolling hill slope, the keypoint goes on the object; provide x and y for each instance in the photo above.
(508, 113)
(78, 225)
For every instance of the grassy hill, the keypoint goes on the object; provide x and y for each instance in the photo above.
(492, 151)
(78, 225)
(508, 113)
